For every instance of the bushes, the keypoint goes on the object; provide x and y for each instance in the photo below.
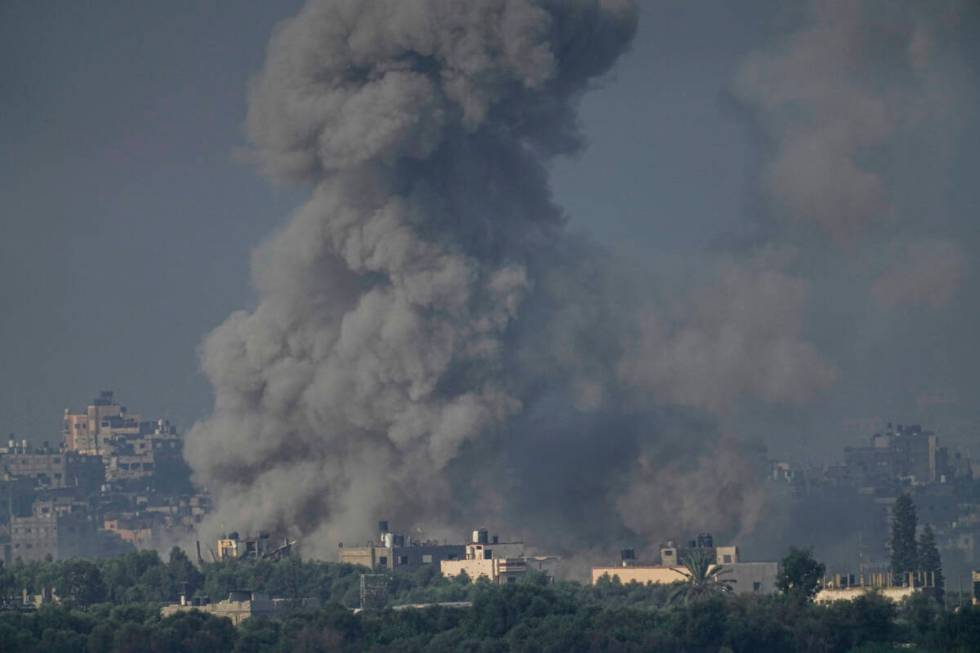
(529, 616)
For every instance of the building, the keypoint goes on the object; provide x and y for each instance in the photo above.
(847, 587)
(240, 605)
(499, 562)
(234, 547)
(52, 533)
(975, 577)
(16, 497)
(748, 577)
(390, 551)
(900, 452)
(154, 448)
(130, 447)
(52, 469)
(141, 532)
(86, 432)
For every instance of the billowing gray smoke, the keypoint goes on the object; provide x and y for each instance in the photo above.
(429, 343)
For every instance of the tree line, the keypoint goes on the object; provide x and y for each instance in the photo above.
(112, 606)
(533, 615)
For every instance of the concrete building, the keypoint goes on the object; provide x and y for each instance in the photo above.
(240, 605)
(154, 448)
(234, 547)
(140, 531)
(499, 562)
(48, 532)
(900, 452)
(52, 469)
(130, 447)
(390, 551)
(847, 587)
(86, 432)
(16, 497)
(748, 577)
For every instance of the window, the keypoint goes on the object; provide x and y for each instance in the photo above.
(383, 561)
(756, 586)
(511, 579)
(488, 554)
(727, 559)
(403, 560)
(426, 558)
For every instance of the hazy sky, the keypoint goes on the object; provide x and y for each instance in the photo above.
(128, 220)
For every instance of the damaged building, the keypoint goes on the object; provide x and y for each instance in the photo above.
(392, 550)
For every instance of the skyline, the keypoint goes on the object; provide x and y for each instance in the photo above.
(136, 139)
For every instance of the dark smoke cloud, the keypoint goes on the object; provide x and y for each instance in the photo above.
(384, 338)
(836, 99)
(740, 337)
(431, 345)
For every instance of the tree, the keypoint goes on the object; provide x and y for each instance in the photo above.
(182, 571)
(8, 584)
(905, 553)
(931, 563)
(800, 574)
(702, 577)
(81, 582)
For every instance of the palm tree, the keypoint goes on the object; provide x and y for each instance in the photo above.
(702, 578)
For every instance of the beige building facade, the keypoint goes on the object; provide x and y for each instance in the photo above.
(87, 432)
(240, 605)
(747, 577)
(499, 562)
(847, 587)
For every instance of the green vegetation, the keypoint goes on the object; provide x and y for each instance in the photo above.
(702, 578)
(930, 562)
(905, 554)
(114, 608)
(800, 574)
(909, 555)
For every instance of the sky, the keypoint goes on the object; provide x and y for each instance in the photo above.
(129, 213)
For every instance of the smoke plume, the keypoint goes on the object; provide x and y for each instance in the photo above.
(430, 344)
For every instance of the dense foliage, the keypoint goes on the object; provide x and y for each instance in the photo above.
(115, 608)
(800, 574)
(904, 549)
(931, 563)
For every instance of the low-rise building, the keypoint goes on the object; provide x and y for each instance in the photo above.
(499, 562)
(847, 587)
(234, 547)
(391, 551)
(746, 577)
(240, 605)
